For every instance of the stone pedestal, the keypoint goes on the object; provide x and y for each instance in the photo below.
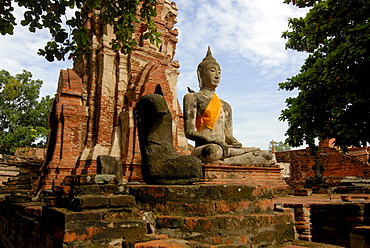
(229, 214)
(96, 211)
(253, 175)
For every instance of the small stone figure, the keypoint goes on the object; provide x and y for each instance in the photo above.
(110, 165)
(318, 182)
(319, 169)
(208, 121)
(160, 162)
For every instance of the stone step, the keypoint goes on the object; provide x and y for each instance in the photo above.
(15, 190)
(352, 190)
(24, 187)
(279, 187)
(199, 192)
(17, 181)
(90, 189)
(166, 242)
(210, 208)
(108, 215)
(91, 226)
(81, 202)
(90, 179)
(230, 171)
(19, 197)
(203, 200)
(237, 230)
(99, 230)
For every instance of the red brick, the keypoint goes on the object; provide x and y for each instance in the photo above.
(93, 101)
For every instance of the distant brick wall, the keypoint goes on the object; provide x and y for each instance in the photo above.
(7, 172)
(337, 165)
(33, 153)
(22, 168)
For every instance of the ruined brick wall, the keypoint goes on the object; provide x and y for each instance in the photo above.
(333, 223)
(337, 165)
(93, 112)
(330, 223)
(7, 172)
(361, 154)
(20, 171)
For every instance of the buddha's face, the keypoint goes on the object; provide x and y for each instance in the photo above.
(210, 76)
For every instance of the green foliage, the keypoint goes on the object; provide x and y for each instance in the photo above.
(280, 146)
(23, 118)
(75, 40)
(333, 85)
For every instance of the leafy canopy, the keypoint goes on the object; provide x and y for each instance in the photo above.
(23, 118)
(69, 33)
(334, 83)
(280, 146)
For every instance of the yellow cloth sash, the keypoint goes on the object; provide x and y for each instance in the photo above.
(210, 115)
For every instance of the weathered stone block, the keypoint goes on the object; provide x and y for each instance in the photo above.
(62, 189)
(302, 192)
(167, 243)
(121, 200)
(86, 189)
(199, 193)
(62, 216)
(360, 237)
(171, 222)
(117, 230)
(69, 180)
(89, 201)
(122, 214)
(105, 179)
(110, 165)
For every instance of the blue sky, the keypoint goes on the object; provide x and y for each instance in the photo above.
(245, 38)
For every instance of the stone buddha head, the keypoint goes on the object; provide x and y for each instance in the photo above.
(209, 71)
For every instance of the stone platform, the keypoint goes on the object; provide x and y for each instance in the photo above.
(224, 173)
(234, 214)
(94, 211)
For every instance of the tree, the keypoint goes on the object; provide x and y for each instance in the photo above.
(333, 85)
(280, 146)
(23, 118)
(70, 35)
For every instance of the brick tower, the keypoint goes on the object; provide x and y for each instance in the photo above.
(93, 111)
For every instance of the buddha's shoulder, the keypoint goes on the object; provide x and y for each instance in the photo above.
(225, 104)
(192, 96)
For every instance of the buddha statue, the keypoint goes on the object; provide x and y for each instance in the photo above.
(208, 121)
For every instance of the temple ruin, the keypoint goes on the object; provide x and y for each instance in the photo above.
(73, 202)
(93, 113)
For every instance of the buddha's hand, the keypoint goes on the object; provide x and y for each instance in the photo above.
(224, 146)
(236, 145)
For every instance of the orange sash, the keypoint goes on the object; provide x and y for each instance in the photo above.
(210, 115)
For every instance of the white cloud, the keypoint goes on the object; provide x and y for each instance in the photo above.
(251, 29)
(19, 52)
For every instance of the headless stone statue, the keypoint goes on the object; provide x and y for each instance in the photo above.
(208, 122)
(160, 162)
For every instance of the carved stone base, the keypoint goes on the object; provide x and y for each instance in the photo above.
(251, 175)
